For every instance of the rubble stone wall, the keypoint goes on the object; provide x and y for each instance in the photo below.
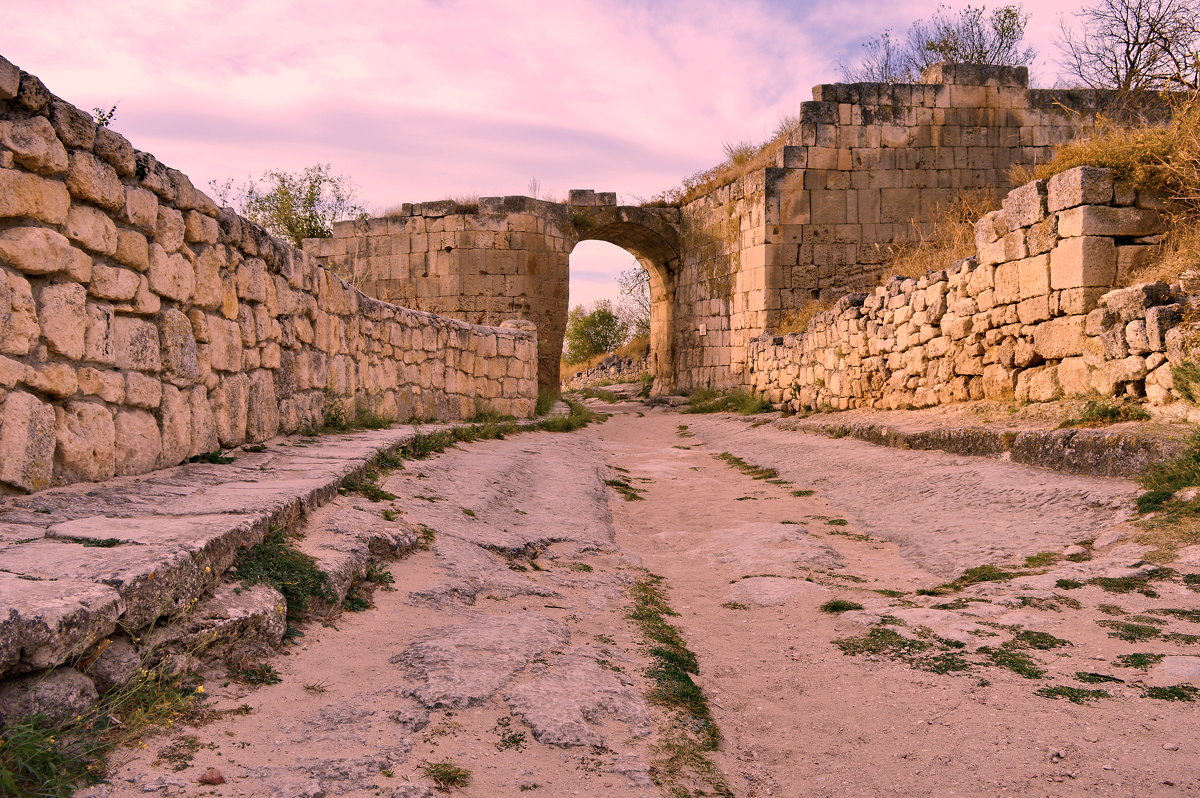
(1034, 316)
(140, 324)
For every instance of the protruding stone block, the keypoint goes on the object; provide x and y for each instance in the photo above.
(26, 442)
(1083, 262)
(1083, 185)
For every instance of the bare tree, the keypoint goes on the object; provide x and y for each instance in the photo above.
(1133, 45)
(634, 307)
(972, 36)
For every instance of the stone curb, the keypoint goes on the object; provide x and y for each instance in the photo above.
(81, 562)
(1092, 452)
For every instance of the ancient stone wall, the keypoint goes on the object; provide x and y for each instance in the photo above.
(609, 371)
(867, 166)
(141, 325)
(1034, 316)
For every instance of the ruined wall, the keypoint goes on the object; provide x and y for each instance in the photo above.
(140, 324)
(505, 259)
(867, 166)
(1033, 316)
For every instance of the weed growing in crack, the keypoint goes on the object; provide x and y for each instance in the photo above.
(275, 562)
(262, 673)
(446, 776)
(837, 606)
(1076, 695)
(627, 490)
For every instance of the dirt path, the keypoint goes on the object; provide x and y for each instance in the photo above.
(506, 649)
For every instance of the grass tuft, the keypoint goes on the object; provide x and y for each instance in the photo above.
(836, 606)
(446, 776)
(275, 562)
(709, 401)
(1098, 412)
(1076, 695)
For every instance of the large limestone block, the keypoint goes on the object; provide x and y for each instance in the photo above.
(92, 229)
(91, 179)
(111, 282)
(1074, 376)
(998, 382)
(19, 329)
(76, 128)
(1026, 205)
(262, 418)
(139, 442)
(1033, 277)
(136, 344)
(46, 623)
(1109, 377)
(142, 391)
(35, 145)
(98, 344)
(169, 229)
(23, 194)
(1038, 384)
(1093, 220)
(140, 209)
(230, 404)
(56, 379)
(116, 150)
(38, 250)
(204, 423)
(179, 357)
(106, 385)
(86, 438)
(170, 274)
(1083, 185)
(1131, 303)
(1060, 338)
(175, 414)
(26, 442)
(1083, 262)
(133, 250)
(63, 316)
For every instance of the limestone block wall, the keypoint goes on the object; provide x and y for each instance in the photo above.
(1033, 316)
(608, 371)
(505, 259)
(140, 324)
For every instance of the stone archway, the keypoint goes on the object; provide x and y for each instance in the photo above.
(651, 235)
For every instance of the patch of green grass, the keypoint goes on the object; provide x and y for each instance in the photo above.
(1111, 609)
(889, 593)
(1176, 692)
(972, 576)
(101, 543)
(1175, 612)
(389, 515)
(1040, 641)
(275, 562)
(803, 493)
(1130, 632)
(1182, 639)
(1192, 581)
(582, 567)
(1124, 584)
(1140, 660)
(749, 469)
(881, 641)
(1021, 664)
(1100, 412)
(593, 393)
(1153, 500)
(37, 759)
(1068, 584)
(1041, 560)
(1097, 678)
(628, 491)
(1055, 603)
(216, 457)
(446, 776)
(709, 401)
(545, 401)
(1180, 472)
(1076, 695)
(367, 487)
(735, 605)
(836, 606)
(262, 673)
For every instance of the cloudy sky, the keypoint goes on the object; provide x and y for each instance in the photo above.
(423, 99)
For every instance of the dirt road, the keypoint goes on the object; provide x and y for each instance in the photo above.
(507, 650)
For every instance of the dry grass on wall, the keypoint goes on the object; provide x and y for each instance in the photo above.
(951, 239)
(1164, 158)
(797, 321)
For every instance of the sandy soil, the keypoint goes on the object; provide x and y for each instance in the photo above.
(505, 649)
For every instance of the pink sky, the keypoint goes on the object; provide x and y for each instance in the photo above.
(422, 99)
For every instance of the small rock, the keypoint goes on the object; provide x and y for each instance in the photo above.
(1170, 746)
(212, 776)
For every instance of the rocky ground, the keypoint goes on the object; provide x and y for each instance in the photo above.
(505, 647)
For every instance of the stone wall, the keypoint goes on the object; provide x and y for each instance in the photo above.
(867, 166)
(1033, 316)
(141, 325)
(609, 371)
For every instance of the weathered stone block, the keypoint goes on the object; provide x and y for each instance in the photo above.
(169, 230)
(56, 379)
(92, 229)
(1093, 220)
(60, 695)
(1025, 205)
(98, 338)
(109, 282)
(230, 404)
(86, 443)
(63, 318)
(34, 145)
(139, 442)
(1033, 277)
(91, 179)
(1074, 376)
(35, 197)
(116, 150)
(1130, 303)
(175, 414)
(39, 250)
(136, 344)
(1060, 338)
(179, 358)
(170, 274)
(1083, 262)
(75, 128)
(1159, 320)
(19, 329)
(26, 442)
(1083, 185)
